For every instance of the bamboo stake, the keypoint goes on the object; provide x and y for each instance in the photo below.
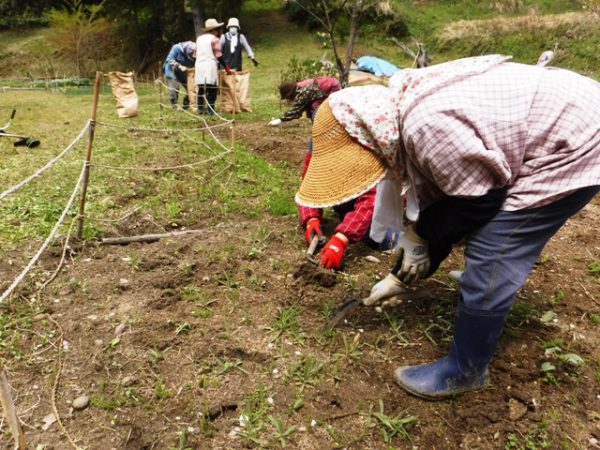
(10, 412)
(88, 157)
(160, 90)
(235, 105)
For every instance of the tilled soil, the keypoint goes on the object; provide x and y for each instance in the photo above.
(175, 341)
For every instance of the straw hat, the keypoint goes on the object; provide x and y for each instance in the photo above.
(340, 168)
(233, 22)
(212, 24)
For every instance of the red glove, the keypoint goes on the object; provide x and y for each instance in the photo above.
(313, 228)
(332, 253)
(228, 70)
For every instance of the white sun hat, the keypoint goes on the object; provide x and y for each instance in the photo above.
(233, 22)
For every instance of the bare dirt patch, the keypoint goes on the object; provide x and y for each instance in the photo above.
(177, 341)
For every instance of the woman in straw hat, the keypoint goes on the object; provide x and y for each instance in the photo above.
(208, 55)
(498, 153)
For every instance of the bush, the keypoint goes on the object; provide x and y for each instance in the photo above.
(302, 69)
(80, 34)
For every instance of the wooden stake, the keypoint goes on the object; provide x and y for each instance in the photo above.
(235, 105)
(10, 412)
(88, 157)
(160, 89)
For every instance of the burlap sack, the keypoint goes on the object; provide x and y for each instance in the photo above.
(124, 93)
(192, 88)
(235, 92)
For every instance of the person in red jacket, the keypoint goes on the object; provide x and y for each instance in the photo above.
(356, 216)
(306, 97)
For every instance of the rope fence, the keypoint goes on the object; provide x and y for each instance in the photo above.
(50, 163)
(47, 242)
(88, 164)
(261, 100)
(217, 150)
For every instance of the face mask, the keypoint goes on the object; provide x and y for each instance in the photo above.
(233, 31)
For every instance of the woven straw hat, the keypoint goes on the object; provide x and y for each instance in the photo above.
(212, 24)
(340, 168)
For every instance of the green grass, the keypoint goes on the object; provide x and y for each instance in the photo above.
(239, 184)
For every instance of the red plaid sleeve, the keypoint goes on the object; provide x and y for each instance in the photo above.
(357, 222)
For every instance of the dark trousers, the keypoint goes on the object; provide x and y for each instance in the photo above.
(207, 93)
(179, 83)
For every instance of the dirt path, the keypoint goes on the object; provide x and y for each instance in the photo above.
(177, 341)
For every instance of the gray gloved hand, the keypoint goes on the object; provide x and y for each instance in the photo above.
(413, 253)
(386, 288)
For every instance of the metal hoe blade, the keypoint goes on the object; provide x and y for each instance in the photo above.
(340, 313)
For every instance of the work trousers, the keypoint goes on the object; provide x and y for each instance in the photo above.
(207, 93)
(500, 255)
(175, 85)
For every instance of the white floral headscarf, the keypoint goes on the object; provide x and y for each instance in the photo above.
(373, 114)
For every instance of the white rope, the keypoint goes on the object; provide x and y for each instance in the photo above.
(50, 163)
(47, 242)
(156, 169)
(216, 138)
(216, 114)
(162, 130)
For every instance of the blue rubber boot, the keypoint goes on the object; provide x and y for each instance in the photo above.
(465, 368)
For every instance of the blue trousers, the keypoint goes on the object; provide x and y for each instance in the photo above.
(500, 255)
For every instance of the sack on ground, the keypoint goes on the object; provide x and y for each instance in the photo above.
(192, 88)
(124, 93)
(235, 92)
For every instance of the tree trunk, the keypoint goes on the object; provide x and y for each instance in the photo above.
(354, 27)
(198, 20)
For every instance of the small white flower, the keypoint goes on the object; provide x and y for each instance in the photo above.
(313, 423)
(275, 371)
(243, 420)
(270, 400)
(297, 353)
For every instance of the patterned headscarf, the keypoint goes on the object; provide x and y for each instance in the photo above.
(189, 49)
(373, 114)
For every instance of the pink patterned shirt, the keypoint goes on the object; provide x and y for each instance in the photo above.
(468, 126)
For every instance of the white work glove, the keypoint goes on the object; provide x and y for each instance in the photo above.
(413, 253)
(383, 290)
(182, 68)
(274, 122)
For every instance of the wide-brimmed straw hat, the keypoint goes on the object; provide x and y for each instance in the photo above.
(211, 24)
(233, 22)
(340, 169)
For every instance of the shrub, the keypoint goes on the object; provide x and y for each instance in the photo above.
(81, 34)
(302, 69)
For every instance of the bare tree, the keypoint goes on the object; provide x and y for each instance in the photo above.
(328, 15)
